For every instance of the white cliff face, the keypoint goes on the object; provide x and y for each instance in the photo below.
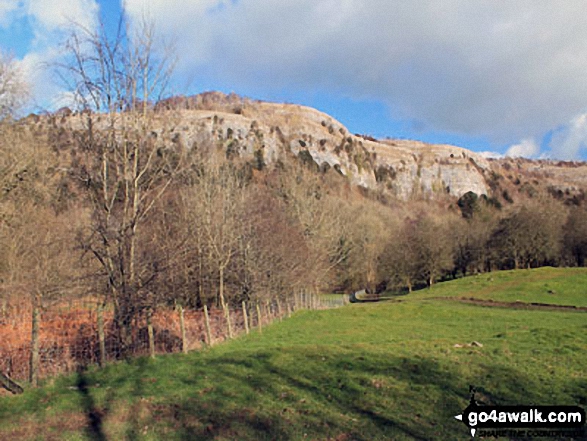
(399, 167)
(270, 131)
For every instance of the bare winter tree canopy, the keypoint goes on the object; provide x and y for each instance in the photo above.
(124, 71)
(13, 88)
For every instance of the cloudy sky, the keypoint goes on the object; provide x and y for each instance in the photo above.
(508, 77)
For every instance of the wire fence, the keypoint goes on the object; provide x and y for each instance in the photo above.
(78, 334)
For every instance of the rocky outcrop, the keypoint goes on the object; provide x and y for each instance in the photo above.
(268, 132)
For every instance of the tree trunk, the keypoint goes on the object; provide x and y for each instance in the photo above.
(124, 327)
(34, 373)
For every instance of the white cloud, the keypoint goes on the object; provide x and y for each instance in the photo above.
(571, 141)
(59, 14)
(502, 69)
(49, 20)
(36, 68)
(527, 148)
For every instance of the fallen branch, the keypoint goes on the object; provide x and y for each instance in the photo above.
(10, 385)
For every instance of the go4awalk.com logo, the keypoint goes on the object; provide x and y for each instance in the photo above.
(523, 421)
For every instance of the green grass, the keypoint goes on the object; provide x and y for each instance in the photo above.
(558, 286)
(386, 370)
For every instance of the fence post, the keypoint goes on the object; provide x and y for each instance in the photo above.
(151, 334)
(34, 374)
(228, 323)
(279, 312)
(288, 308)
(259, 319)
(208, 331)
(245, 318)
(184, 342)
(227, 318)
(101, 338)
(268, 311)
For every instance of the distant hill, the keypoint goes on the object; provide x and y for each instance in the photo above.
(397, 167)
(267, 132)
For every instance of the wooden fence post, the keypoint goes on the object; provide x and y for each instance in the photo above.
(184, 342)
(101, 337)
(227, 317)
(151, 334)
(208, 331)
(245, 318)
(259, 319)
(34, 373)
(228, 323)
(279, 312)
(268, 311)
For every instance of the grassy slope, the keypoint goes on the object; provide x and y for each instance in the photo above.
(559, 286)
(369, 371)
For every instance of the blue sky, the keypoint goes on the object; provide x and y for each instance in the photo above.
(492, 76)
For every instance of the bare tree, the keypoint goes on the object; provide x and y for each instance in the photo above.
(273, 255)
(435, 242)
(219, 195)
(530, 236)
(400, 259)
(575, 235)
(14, 90)
(325, 220)
(126, 169)
(371, 233)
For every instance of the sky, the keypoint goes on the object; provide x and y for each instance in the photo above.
(499, 77)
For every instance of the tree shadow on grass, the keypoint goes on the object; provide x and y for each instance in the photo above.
(324, 402)
(325, 395)
(94, 415)
(131, 385)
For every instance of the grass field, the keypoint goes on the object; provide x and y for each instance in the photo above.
(387, 370)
